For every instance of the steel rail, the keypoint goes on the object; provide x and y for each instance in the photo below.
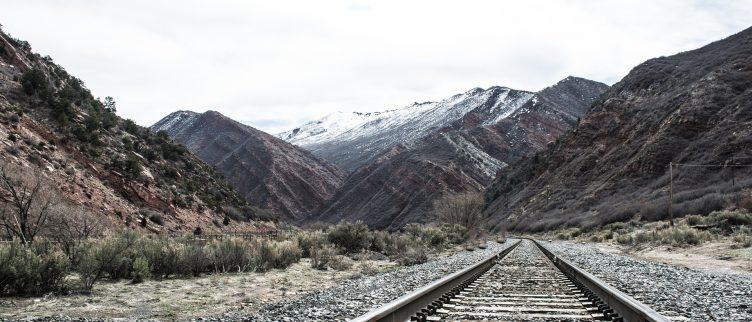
(629, 309)
(615, 305)
(403, 308)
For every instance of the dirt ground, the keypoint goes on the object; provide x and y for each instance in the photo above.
(185, 298)
(718, 256)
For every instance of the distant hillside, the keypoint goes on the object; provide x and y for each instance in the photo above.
(464, 155)
(267, 171)
(351, 140)
(50, 122)
(693, 108)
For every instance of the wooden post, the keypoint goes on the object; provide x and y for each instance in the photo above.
(671, 193)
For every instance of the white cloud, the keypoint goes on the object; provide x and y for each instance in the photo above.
(279, 63)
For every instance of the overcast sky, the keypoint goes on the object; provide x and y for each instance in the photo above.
(276, 64)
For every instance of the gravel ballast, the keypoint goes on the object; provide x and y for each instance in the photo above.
(671, 290)
(357, 296)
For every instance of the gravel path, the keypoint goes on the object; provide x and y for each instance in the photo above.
(670, 290)
(355, 297)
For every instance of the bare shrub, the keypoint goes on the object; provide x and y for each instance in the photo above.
(368, 270)
(322, 255)
(461, 209)
(69, 227)
(700, 206)
(340, 263)
(30, 204)
(412, 254)
(745, 200)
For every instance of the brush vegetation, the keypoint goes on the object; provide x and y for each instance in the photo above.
(692, 230)
(48, 266)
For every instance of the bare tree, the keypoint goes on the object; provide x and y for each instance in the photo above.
(27, 203)
(70, 227)
(461, 209)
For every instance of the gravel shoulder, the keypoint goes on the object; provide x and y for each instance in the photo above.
(354, 297)
(719, 257)
(675, 291)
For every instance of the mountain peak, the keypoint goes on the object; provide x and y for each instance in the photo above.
(370, 134)
(462, 155)
(256, 163)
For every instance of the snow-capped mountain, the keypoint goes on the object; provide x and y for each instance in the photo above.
(353, 139)
(400, 186)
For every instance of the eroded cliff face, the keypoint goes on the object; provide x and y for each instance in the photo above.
(464, 155)
(267, 171)
(691, 108)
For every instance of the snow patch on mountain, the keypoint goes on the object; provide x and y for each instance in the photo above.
(481, 160)
(507, 105)
(352, 139)
(176, 122)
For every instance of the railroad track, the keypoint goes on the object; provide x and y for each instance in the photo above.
(525, 282)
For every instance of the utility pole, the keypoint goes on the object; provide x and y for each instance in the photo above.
(733, 173)
(671, 193)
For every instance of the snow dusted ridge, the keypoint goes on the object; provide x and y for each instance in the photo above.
(353, 139)
(176, 122)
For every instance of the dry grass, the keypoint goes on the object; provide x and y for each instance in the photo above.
(188, 298)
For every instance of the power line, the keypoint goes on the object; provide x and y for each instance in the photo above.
(713, 165)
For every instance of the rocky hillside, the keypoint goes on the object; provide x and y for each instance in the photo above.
(351, 140)
(464, 155)
(693, 108)
(267, 171)
(51, 126)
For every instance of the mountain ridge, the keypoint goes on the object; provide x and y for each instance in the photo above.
(267, 171)
(353, 139)
(692, 107)
(464, 155)
(51, 126)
